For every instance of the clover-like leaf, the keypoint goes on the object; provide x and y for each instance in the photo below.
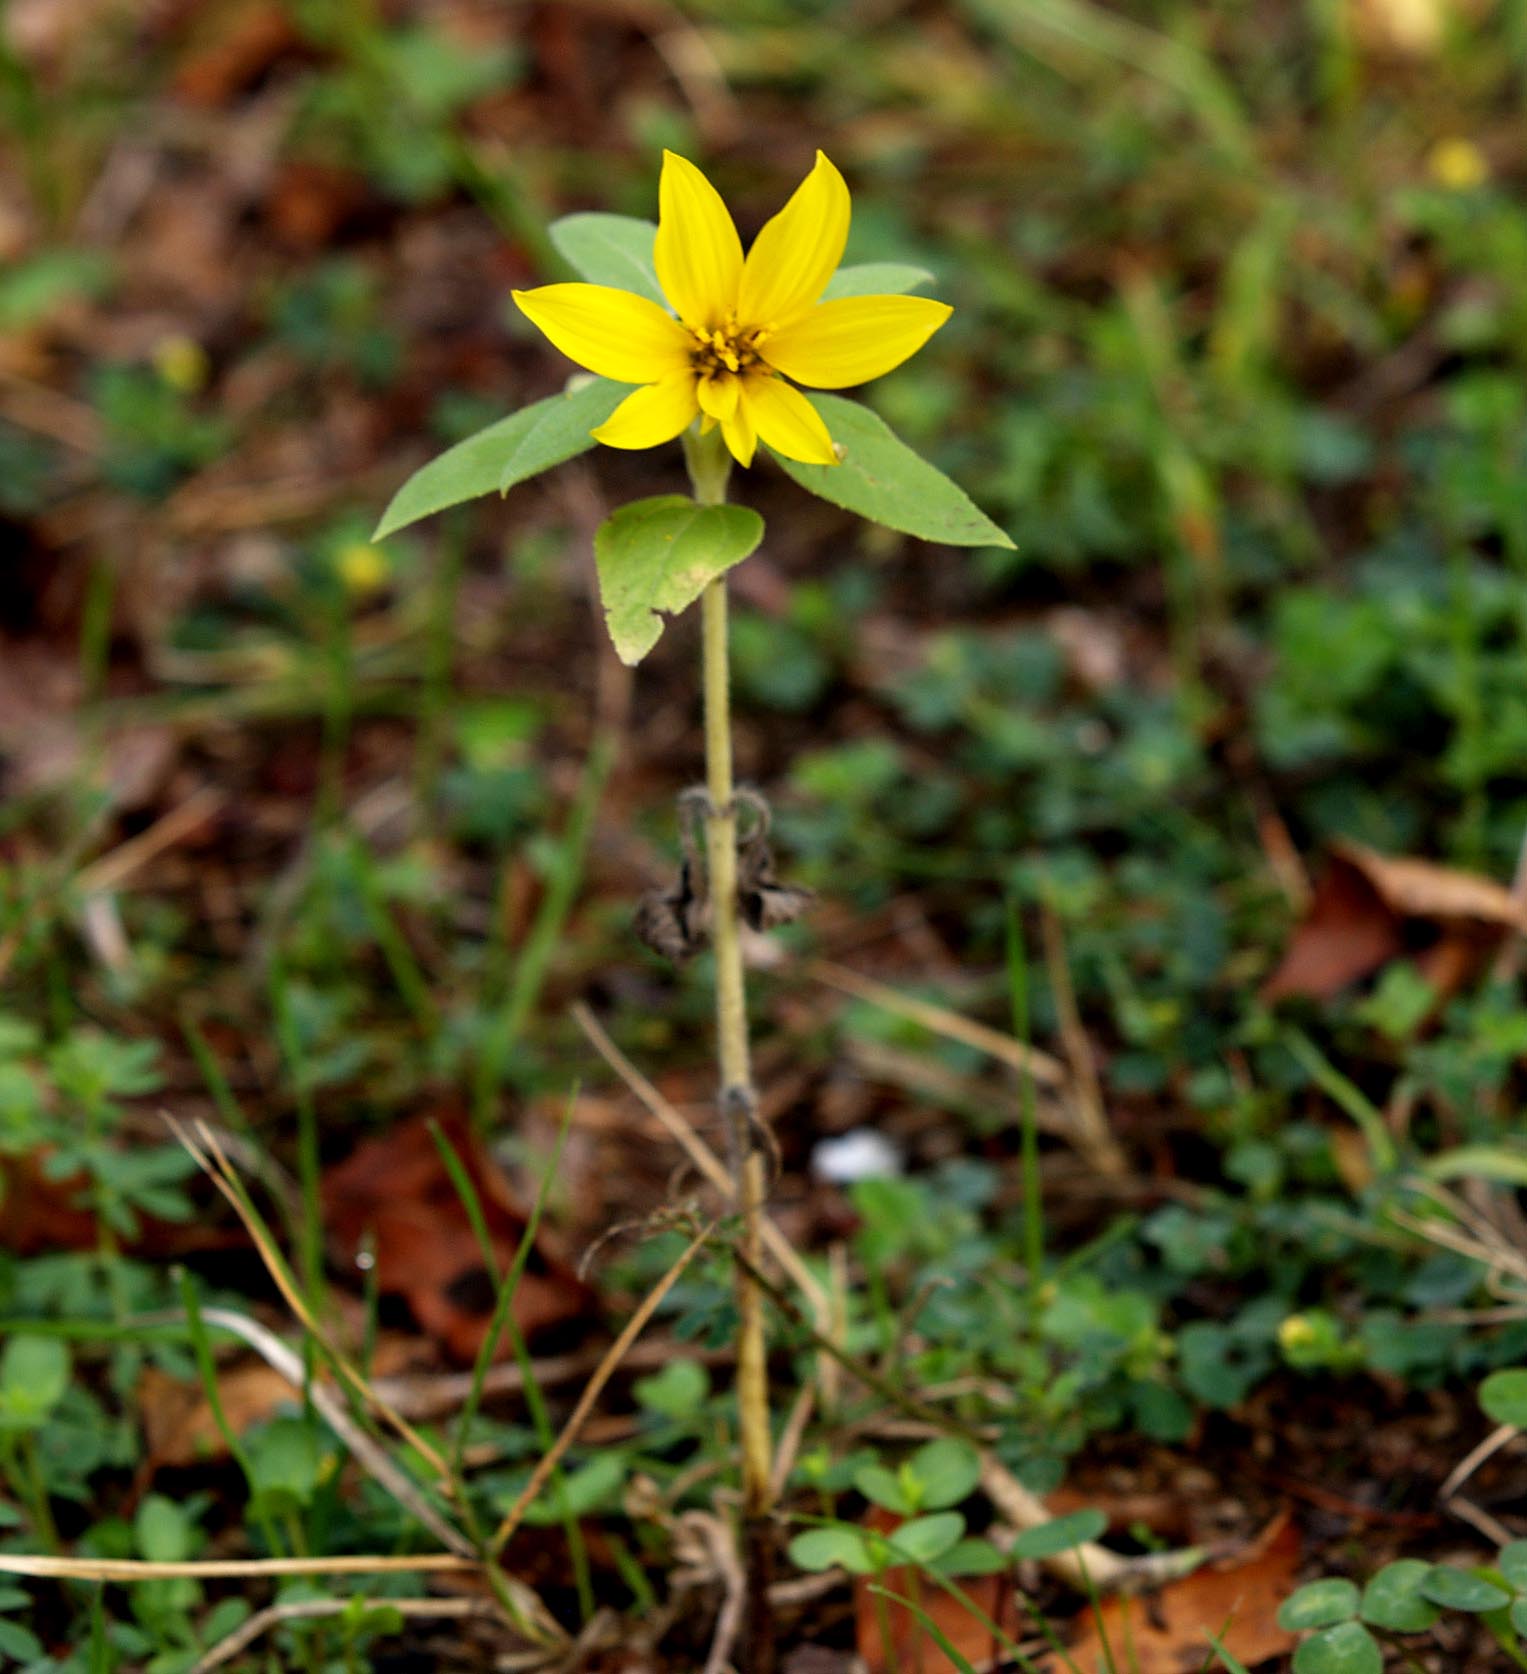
(544, 434)
(1347, 1648)
(1503, 1395)
(926, 1538)
(1319, 1604)
(881, 478)
(658, 555)
(947, 1469)
(1393, 1598)
(1060, 1534)
(1459, 1589)
(819, 1549)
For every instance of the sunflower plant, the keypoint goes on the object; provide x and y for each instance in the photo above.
(680, 335)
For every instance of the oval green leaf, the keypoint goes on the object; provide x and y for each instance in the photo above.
(1393, 1598)
(926, 1538)
(819, 1549)
(544, 434)
(1320, 1604)
(1348, 1648)
(880, 478)
(1457, 1589)
(875, 279)
(1512, 1563)
(1060, 1535)
(1503, 1395)
(947, 1469)
(611, 250)
(884, 1488)
(659, 555)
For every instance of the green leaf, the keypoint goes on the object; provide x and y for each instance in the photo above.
(926, 1538)
(1501, 1163)
(880, 478)
(659, 555)
(871, 279)
(1512, 1563)
(948, 1470)
(1060, 1534)
(34, 1372)
(163, 1530)
(594, 1486)
(20, 1644)
(611, 250)
(971, 1557)
(1318, 1605)
(1503, 1395)
(544, 434)
(677, 1391)
(820, 1549)
(1348, 1648)
(884, 1488)
(1519, 1615)
(1457, 1589)
(1393, 1598)
(1232, 1664)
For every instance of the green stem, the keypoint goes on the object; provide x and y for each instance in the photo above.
(709, 467)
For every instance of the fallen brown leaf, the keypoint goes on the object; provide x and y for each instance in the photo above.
(1363, 914)
(395, 1190)
(1168, 1631)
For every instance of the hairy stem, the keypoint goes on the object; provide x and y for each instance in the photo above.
(709, 468)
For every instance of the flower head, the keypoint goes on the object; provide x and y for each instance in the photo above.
(744, 325)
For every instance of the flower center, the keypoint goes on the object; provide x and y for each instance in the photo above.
(728, 348)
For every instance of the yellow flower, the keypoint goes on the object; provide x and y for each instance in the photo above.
(1458, 164)
(743, 326)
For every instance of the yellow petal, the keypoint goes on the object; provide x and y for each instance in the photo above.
(651, 415)
(614, 333)
(698, 254)
(853, 339)
(797, 252)
(718, 395)
(787, 421)
(740, 434)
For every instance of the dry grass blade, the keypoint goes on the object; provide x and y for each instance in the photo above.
(208, 1152)
(228, 1569)
(372, 1458)
(594, 1388)
(1027, 1060)
(113, 869)
(1094, 1139)
(699, 1153)
(317, 1609)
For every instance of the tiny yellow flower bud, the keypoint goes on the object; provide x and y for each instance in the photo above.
(182, 362)
(1295, 1332)
(362, 568)
(1458, 164)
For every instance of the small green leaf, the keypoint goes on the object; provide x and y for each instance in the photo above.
(971, 1557)
(820, 1549)
(163, 1531)
(20, 1644)
(1318, 1605)
(1512, 1563)
(611, 250)
(884, 1488)
(1060, 1534)
(1393, 1598)
(880, 478)
(659, 555)
(1347, 1648)
(34, 1373)
(1457, 1589)
(544, 434)
(947, 1469)
(677, 1391)
(1503, 1395)
(1519, 1615)
(926, 1538)
(871, 279)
